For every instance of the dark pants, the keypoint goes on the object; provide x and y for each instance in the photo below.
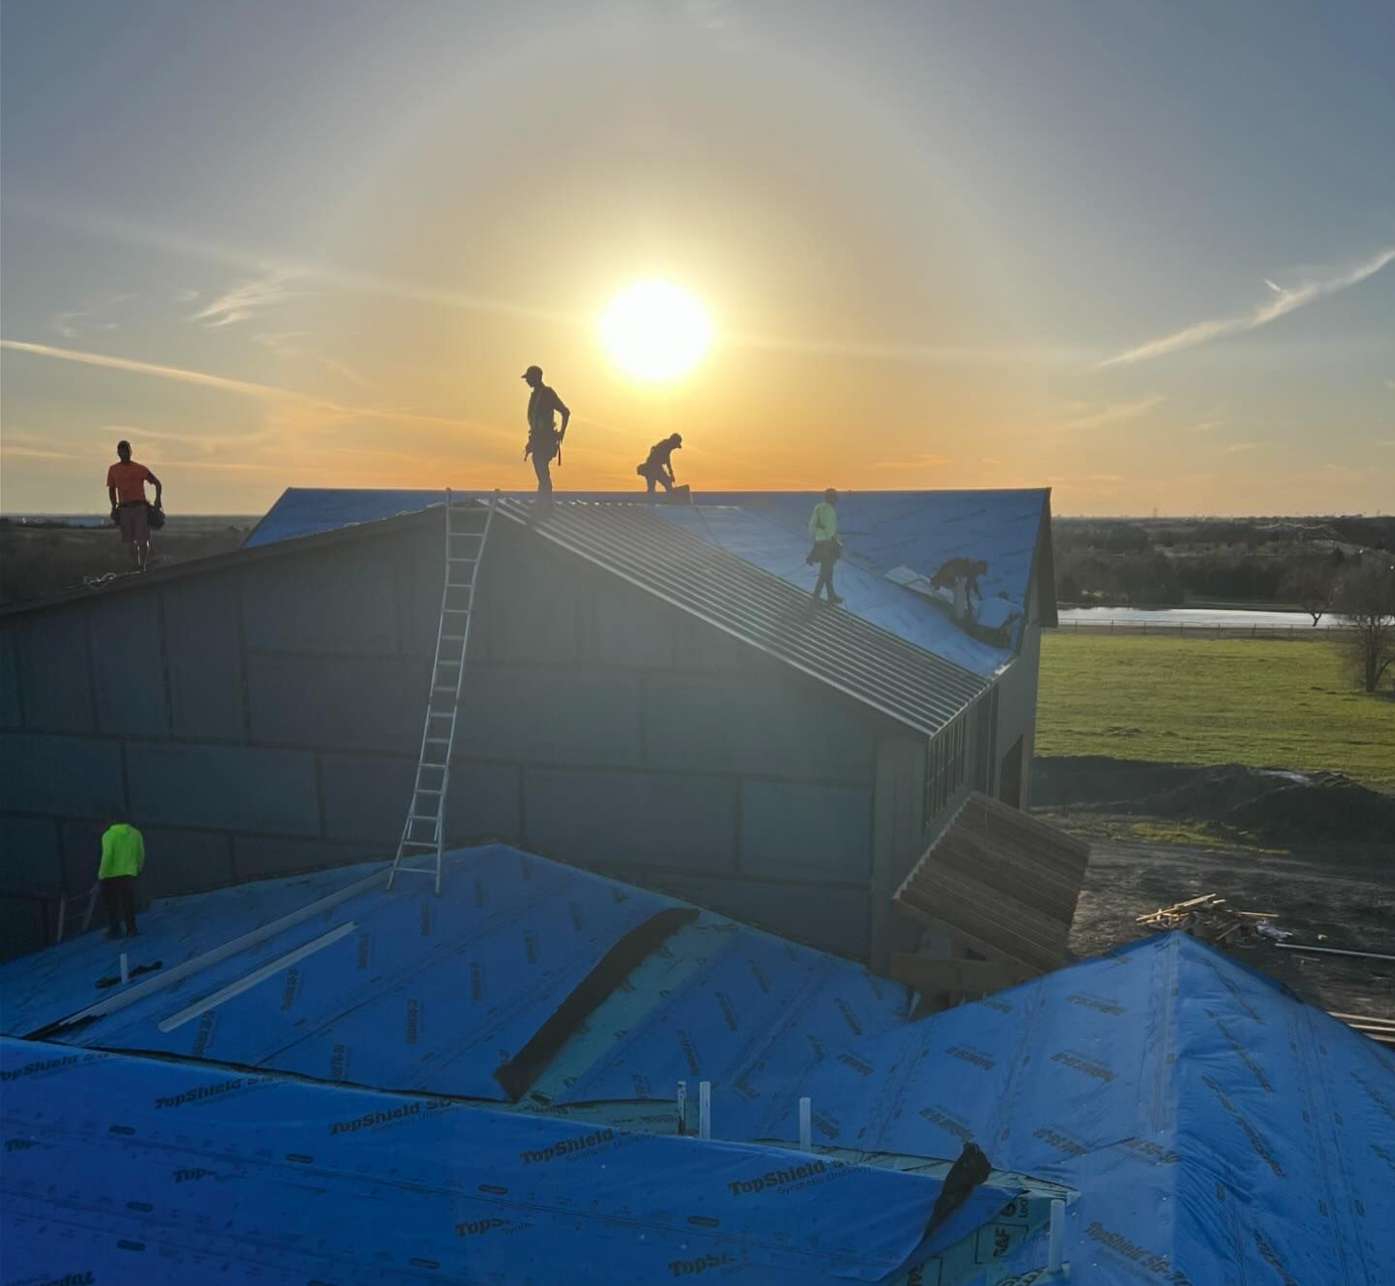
(119, 897)
(542, 465)
(826, 553)
(651, 476)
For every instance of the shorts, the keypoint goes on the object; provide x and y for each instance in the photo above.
(134, 522)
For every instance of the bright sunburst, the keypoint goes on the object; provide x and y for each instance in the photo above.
(656, 331)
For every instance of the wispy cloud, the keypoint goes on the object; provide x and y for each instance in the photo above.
(1236, 447)
(204, 443)
(911, 352)
(321, 411)
(37, 453)
(291, 344)
(1096, 415)
(1287, 300)
(270, 265)
(180, 374)
(246, 299)
(78, 321)
(926, 461)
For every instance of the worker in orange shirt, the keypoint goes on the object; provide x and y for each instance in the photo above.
(126, 481)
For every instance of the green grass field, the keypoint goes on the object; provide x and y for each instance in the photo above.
(1268, 703)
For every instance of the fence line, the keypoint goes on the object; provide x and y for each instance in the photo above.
(1198, 629)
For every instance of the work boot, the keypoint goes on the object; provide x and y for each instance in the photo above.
(835, 600)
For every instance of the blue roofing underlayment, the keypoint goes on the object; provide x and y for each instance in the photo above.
(1207, 1126)
(128, 1170)
(881, 531)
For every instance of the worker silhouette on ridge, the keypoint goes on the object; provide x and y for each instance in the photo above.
(658, 468)
(544, 439)
(827, 548)
(126, 481)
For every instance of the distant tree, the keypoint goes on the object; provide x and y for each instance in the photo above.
(1310, 585)
(1365, 600)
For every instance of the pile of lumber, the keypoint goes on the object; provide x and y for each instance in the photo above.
(1210, 918)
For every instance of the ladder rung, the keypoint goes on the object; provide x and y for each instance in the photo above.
(438, 741)
(457, 611)
(429, 790)
(454, 638)
(448, 661)
(418, 843)
(434, 818)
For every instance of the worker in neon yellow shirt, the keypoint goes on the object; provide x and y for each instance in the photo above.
(827, 548)
(123, 857)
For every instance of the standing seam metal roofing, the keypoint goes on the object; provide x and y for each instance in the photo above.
(906, 683)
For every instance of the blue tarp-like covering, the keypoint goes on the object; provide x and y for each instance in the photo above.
(423, 992)
(42, 987)
(1220, 1131)
(756, 1007)
(123, 1170)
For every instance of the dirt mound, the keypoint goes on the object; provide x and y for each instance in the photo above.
(1271, 804)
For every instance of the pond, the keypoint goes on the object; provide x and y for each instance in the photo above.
(1233, 618)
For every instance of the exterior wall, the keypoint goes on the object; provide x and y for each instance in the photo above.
(227, 713)
(265, 719)
(655, 748)
(1017, 700)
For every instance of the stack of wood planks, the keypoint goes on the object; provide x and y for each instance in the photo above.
(994, 896)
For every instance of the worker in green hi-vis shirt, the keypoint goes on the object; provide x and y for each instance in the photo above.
(123, 856)
(827, 549)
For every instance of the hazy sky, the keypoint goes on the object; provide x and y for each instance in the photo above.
(1141, 252)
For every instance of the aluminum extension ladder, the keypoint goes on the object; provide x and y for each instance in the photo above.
(424, 830)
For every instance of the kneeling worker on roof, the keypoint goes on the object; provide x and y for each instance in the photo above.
(659, 466)
(827, 549)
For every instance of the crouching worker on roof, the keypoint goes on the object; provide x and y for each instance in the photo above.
(544, 439)
(123, 857)
(827, 549)
(126, 481)
(658, 468)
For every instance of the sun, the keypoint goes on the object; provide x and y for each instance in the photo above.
(655, 330)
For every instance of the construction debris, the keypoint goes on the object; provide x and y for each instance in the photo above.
(1210, 918)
